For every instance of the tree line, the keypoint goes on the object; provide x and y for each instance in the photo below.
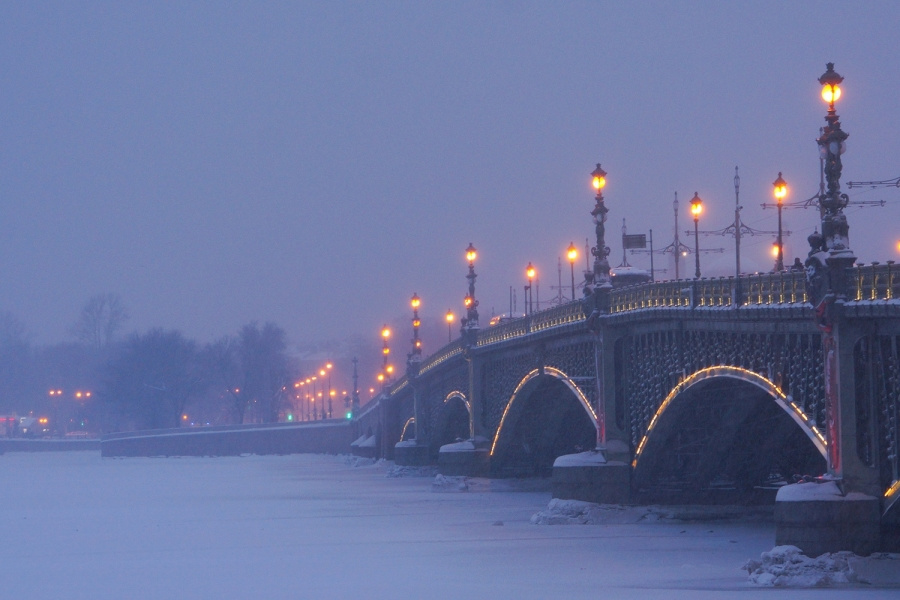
(155, 379)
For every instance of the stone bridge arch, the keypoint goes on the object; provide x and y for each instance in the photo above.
(725, 434)
(547, 415)
(452, 421)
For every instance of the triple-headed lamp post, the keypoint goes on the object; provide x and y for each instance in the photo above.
(696, 209)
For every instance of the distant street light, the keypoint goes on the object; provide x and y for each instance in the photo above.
(529, 274)
(780, 194)
(696, 209)
(572, 255)
(450, 318)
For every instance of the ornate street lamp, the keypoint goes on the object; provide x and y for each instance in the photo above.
(529, 275)
(696, 209)
(600, 275)
(835, 230)
(416, 354)
(385, 351)
(471, 320)
(450, 318)
(780, 194)
(572, 255)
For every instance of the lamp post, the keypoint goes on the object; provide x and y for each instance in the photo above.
(600, 276)
(450, 318)
(413, 362)
(416, 353)
(696, 209)
(385, 351)
(780, 194)
(529, 275)
(470, 323)
(572, 255)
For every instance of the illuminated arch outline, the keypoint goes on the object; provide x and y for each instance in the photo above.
(553, 372)
(784, 401)
(409, 422)
(459, 395)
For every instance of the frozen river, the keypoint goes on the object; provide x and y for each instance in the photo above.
(74, 525)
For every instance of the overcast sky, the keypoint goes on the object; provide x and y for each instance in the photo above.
(315, 163)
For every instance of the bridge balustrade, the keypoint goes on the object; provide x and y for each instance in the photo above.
(877, 282)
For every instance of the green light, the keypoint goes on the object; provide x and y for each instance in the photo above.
(349, 415)
(290, 417)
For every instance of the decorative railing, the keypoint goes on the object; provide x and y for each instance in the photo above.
(775, 288)
(877, 281)
(446, 353)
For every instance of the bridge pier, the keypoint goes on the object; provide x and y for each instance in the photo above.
(842, 510)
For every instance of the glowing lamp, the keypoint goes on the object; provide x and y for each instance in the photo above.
(599, 178)
(450, 317)
(780, 188)
(471, 253)
(529, 271)
(572, 252)
(831, 85)
(696, 206)
(385, 333)
(415, 301)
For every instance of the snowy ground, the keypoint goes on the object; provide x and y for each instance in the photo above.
(73, 525)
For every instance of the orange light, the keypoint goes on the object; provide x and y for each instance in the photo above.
(696, 206)
(468, 301)
(471, 253)
(450, 316)
(322, 373)
(831, 93)
(390, 369)
(184, 417)
(386, 350)
(598, 178)
(416, 322)
(572, 252)
(775, 250)
(385, 332)
(415, 301)
(328, 365)
(780, 188)
(381, 377)
(529, 272)
(831, 85)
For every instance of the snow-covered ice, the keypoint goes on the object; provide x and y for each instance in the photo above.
(73, 525)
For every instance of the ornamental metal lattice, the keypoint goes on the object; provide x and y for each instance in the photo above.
(656, 362)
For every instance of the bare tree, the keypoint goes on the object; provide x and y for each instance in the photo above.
(101, 318)
(264, 363)
(150, 380)
(222, 373)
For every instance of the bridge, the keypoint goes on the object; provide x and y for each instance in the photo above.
(779, 387)
(698, 390)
